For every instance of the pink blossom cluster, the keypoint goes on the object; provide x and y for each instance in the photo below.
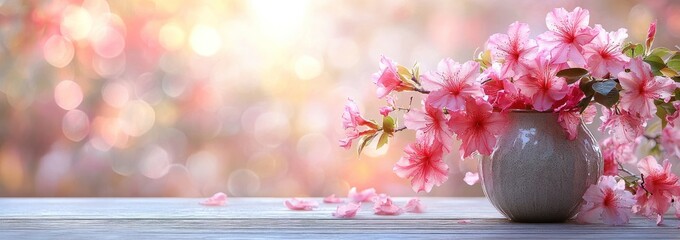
(568, 71)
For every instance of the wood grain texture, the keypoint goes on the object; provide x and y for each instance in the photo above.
(249, 218)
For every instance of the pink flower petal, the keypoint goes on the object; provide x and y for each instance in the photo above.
(471, 178)
(423, 164)
(608, 201)
(347, 211)
(332, 199)
(218, 199)
(300, 204)
(363, 196)
(384, 206)
(414, 206)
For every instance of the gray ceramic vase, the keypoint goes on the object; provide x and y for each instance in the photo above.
(536, 174)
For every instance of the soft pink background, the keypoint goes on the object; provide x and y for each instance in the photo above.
(187, 98)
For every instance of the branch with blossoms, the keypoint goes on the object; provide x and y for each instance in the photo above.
(568, 70)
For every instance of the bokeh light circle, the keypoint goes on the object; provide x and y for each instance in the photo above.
(271, 128)
(205, 40)
(203, 166)
(307, 67)
(243, 182)
(76, 23)
(137, 117)
(68, 95)
(116, 94)
(155, 162)
(171, 36)
(107, 41)
(75, 125)
(58, 51)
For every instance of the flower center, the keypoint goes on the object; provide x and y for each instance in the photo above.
(609, 198)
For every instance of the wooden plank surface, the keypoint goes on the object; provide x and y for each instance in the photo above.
(169, 218)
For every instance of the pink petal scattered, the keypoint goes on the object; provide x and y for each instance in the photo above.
(347, 211)
(333, 199)
(218, 199)
(464, 221)
(414, 206)
(363, 196)
(300, 204)
(471, 178)
(384, 206)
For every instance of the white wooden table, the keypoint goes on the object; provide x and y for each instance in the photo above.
(170, 218)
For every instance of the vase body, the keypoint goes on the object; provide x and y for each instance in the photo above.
(535, 174)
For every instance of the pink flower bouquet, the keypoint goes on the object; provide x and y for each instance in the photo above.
(569, 71)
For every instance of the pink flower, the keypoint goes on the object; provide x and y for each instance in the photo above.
(391, 105)
(351, 117)
(571, 120)
(513, 49)
(300, 204)
(674, 119)
(423, 164)
(351, 121)
(477, 127)
(542, 85)
(451, 84)
(502, 93)
(624, 127)
(566, 35)
(641, 88)
(660, 185)
(608, 201)
(431, 123)
(471, 178)
(414, 206)
(650, 36)
(383, 205)
(611, 166)
(352, 134)
(388, 79)
(332, 199)
(347, 211)
(363, 196)
(622, 152)
(604, 52)
(218, 199)
(670, 141)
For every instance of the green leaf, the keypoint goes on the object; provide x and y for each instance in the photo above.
(656, 63)
(661, 52)
(674, 64)
(633, 50)
(604, 87)
(405, 75)
(384, 137)
(364, 141)
(662, 110)
(572, 74)
(586, 86)
(607, 100)
(583, 104)
(388, 124)
(667, 72)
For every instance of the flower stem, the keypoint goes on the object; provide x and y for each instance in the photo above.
(420, 90)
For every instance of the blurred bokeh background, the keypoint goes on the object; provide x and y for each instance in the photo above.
(187, 98)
